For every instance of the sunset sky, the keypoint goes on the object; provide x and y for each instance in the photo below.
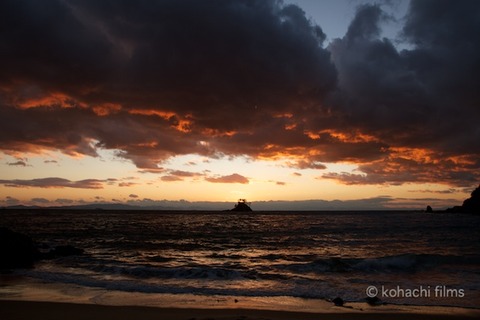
(141, 101)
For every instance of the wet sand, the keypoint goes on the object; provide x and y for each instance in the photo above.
(11, 309)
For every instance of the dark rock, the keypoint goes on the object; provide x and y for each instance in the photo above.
(470, 205)
(429, 209)
(16, 250)
(242, 206)
(374, 301)
(455, 209)
(338, 302)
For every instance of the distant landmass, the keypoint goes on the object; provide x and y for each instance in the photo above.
(470, 205)
(93, 206)
(376, 203)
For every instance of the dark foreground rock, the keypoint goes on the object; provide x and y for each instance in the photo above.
(16, 250)
(470, 205)
(374, 301)
(338, 302)
(19, 251)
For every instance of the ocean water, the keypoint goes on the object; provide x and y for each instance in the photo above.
(409, 258)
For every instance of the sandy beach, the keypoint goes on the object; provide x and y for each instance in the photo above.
(11, 309)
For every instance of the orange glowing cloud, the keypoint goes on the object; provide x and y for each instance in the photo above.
(410, 165)
(106, 109)
(57, 99)
(306, 164)
(182, 124)
(171, 178)
(211, 132)
(355, 136)
(152, 112)
(180, 175)
(233, 178)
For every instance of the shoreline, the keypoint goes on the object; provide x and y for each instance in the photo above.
(15, 309)
(20, 290)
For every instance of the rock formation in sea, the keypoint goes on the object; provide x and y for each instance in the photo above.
(470, 205)
(16, 250)
(242, 206)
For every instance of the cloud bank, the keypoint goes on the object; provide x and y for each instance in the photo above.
(55, 182)
(233, 178)
(152, 80)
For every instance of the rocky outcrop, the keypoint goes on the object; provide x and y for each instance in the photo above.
(338, 302)
(16, 250)
(242, 207)
(19, 251)
(470, 205)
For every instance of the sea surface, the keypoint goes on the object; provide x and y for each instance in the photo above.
(410, 258)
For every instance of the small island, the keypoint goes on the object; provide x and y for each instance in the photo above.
(242, 206)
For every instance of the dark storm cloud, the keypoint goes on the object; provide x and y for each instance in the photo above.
(216, 66)
(45, 47)
(155, 79)
(447, 61)
(378, 91)
(193, 56)
(423, 98)
(410, 97)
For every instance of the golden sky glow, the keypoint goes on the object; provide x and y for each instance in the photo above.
(267, 180)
